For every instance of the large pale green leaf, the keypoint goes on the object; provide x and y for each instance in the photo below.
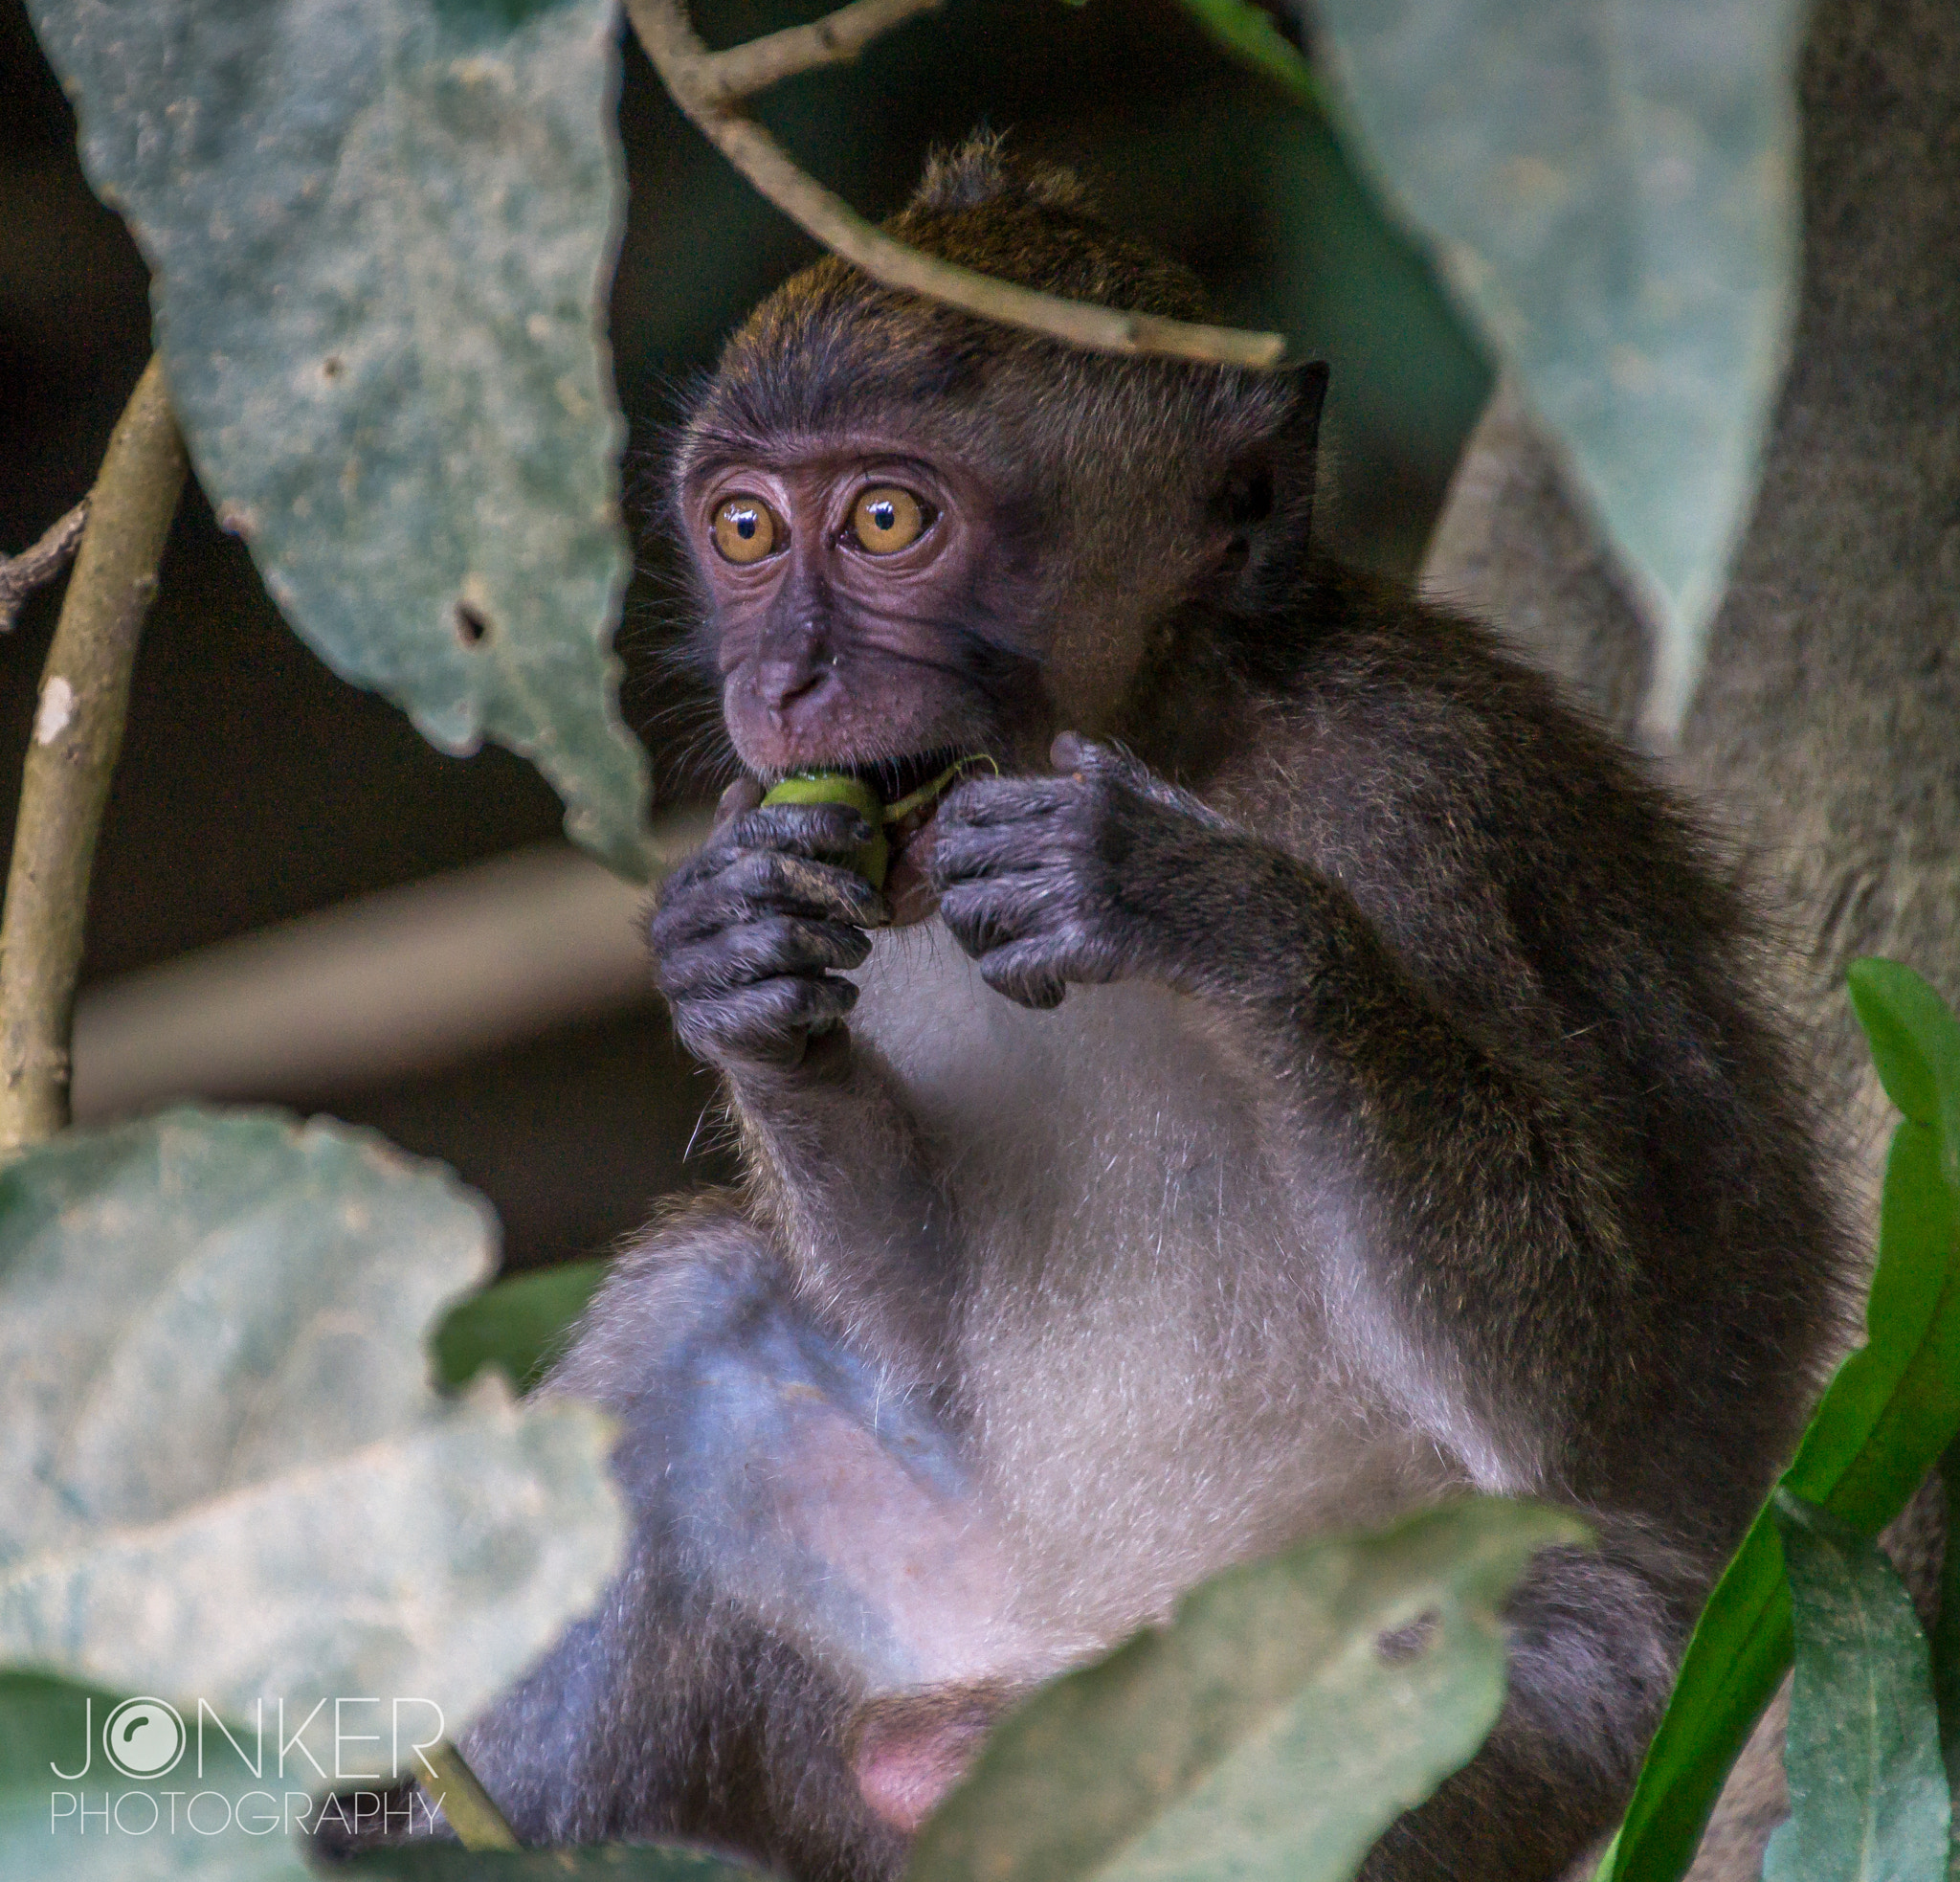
(1891, 1409)
(208, 1818)
(381, 233)
(225, 1474)
(1611, 188)
(1265, 1733)
(1867, 1791)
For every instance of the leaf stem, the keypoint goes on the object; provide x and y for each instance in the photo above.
(699, 82)
(71, 757)
(478, 1824)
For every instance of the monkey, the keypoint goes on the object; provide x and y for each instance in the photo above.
(1310, 1071)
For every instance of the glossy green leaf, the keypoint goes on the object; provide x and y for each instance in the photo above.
(1264, 1732)
(1248, 34)
(1891, 1409)
(519, 1326)
(225, 1473)
(1611, 189)
(381, 235)
(1867, 1791)
(1916, 1045)
(206, 1819)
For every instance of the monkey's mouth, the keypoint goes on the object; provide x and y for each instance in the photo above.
(912, 789)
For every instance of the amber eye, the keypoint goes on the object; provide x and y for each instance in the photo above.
(886, 518)
(745, 529)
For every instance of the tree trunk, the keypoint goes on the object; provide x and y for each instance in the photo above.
(1825, 734)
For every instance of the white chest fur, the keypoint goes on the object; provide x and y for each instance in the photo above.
(1144, 1317)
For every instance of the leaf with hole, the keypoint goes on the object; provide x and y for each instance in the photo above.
(380, 236)
(1266, 1732)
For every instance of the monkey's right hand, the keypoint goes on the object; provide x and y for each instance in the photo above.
(745, 932)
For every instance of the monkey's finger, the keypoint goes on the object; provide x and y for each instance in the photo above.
(1091, 763)
(1071, 752)
(968, 853)
(797, 884)
(744, 794)
(1025, 973)
(769, 1022)
(981, 919)
(983, 802)
(1090, 758)
(807, 830)
(755, 881)
(810, 830)
(758, 951)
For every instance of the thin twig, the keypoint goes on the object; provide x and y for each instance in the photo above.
(835, 39)
(690, 73)
(21, 574)
(71, 757)
(472, 1813)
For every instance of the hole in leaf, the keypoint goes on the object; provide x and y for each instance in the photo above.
(1400, 1644)
(472, 625)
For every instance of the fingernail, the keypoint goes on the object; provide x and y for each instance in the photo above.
(745, 794)
(1067, 751)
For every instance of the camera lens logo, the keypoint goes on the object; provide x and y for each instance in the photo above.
(144, 1737)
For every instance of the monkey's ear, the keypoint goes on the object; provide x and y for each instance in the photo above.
(1265, 501)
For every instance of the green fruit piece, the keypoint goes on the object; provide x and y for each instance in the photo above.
(872, 859)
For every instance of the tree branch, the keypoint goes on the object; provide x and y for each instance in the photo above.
(835, 39)
(21, 574)
(71, 757)
(699, 84)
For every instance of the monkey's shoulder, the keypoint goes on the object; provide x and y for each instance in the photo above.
(1401, 747)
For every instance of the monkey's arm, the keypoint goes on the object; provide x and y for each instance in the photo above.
(1470, 1189)
(1467, 1199)
(743, 942)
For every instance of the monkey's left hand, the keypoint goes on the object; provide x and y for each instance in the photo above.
(1087, 876)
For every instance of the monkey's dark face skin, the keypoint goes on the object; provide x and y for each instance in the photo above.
(844, 580)
(863, 614)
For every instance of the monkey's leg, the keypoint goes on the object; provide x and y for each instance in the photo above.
(1595, 1642)
(802, 1541)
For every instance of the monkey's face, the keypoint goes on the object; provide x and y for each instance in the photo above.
(869, 609)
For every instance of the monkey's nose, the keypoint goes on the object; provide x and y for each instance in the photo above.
(782, 683)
